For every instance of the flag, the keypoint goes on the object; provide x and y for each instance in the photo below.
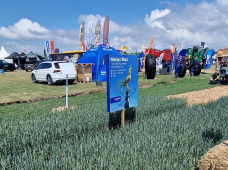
(209, 58)
(202, 44)
(123, 48)
(111, 44)
(45, 54)
(52, 47)
(180, 60)
(183, 44)
(97, 33)
(24, 51)
(81, 35)
(105, 31)
(47, 45)
(89, 37)
(130, 46)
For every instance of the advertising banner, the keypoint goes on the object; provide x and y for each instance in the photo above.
(105, 31)
(123, 48)
(81, 35)
(47, 45)
(173, 61)
(52, 47)
(122, 82)
(202, 44)
(208, 58)
(141, 58)
(180, 60)
(89, 37)
(97, 33)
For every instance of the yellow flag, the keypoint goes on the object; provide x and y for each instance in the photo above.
(123, 48)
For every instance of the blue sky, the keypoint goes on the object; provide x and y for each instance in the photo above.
(27, 24)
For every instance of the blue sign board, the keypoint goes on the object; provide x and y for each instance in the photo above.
(180, 60)
(1, 71)
(122, 82)
(209, 58)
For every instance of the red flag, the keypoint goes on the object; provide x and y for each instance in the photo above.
(105, 31)
(52, 47)
(84, 47)
(24, 51)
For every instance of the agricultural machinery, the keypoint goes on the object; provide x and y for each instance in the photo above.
(165, 58)
(196, 59)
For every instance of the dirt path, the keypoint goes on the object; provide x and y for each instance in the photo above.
(204, 96)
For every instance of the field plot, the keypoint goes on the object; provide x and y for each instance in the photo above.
(166, 134)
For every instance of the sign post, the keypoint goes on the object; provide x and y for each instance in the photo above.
(67, 69)
(122, 83)
(66, 90)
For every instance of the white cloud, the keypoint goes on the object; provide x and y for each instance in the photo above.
(156, 14)
(206, 22)
(222, 2)
(25, 29)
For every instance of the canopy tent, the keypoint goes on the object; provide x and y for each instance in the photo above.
(39, 55)
(4, 54)
(34, 58)
(12, 56)
(97, 56)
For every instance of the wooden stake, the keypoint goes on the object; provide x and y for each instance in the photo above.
(122, 118)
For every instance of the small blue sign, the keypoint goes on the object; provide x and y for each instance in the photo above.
(122, 82)
(1, 71)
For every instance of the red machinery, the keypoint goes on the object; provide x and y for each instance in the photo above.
(157, 53)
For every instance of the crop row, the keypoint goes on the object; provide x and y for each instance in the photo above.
(166, 134)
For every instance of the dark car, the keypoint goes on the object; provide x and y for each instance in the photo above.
(29, 65)
(6, 66)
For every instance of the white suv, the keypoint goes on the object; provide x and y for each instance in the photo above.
(51, 72)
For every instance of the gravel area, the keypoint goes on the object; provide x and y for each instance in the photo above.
(204, 96)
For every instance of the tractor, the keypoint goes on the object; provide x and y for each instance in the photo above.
(196, 59)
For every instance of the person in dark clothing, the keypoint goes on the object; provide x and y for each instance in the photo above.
(214, 77)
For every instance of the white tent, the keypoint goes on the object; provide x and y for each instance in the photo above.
(3, 54)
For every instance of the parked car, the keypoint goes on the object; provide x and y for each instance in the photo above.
(29, 65)
(6, 66)
(52, 72)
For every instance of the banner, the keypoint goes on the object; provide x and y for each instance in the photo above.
(47, 45)
(173, 61)
(111, 44)
(45, 54)
(183, 44)
(123, 48)
(202, 44)
(122, 82)
(81, 35)
(141, 58)
(89, 37)
(105, 31)
(97, 33)
(208, 59)
(161, 57)
(52, 47)
(180, 60)
(144, 48)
